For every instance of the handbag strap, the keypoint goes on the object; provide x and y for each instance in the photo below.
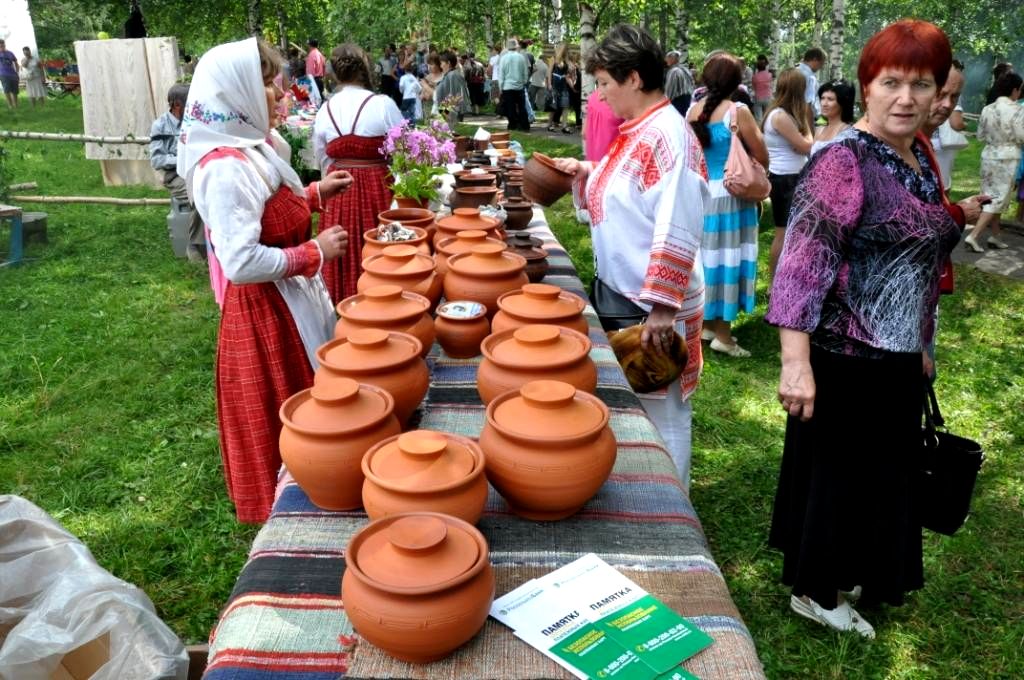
(935, 414)
(733, 125)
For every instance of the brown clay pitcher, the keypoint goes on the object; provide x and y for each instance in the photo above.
(460, 326)
(388, 308)
(425, 471)
(540, 303)
(517, 356)
(388, 360)
(404, 266)
(548, 448)
(483, 274)
(417, 585)
(326, 430)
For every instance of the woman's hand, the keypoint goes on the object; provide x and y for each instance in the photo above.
(337, 182)
(333, 242)
(659, 330)
(796, 381)
(972, 207)
(572, 166)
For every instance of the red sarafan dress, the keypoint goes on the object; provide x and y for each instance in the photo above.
(261, 360)
(356, 209)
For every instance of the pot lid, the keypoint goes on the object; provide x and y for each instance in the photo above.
(475, 190)
(404, 260)
(548, 408)
(487, 259)
(469, 175)
(336, 405)
(466, 218)
(462, 241)
(535, 346)
(422, 460)
(517, 202)
(461, 310)
(541, 301)
(383, 303)
(369, 349)
(421, 551)
(519, 239)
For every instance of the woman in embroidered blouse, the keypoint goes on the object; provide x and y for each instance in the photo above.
(646, 202)
(276, 311)
(854, 298)
(347, 135)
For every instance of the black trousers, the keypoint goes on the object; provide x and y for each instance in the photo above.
(513, 103)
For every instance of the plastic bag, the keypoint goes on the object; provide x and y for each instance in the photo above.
(54, 598)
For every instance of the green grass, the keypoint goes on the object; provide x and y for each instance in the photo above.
(107, 421)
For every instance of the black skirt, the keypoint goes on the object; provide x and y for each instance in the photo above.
(844, 509)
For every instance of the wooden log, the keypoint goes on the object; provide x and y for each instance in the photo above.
(105, 200)
(70, 137)
(23, 186)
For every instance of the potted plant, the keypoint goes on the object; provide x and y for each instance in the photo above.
(417, 159)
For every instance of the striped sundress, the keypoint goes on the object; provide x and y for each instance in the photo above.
(729, 244)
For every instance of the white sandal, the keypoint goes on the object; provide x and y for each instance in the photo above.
(843, 618)
(733, 349)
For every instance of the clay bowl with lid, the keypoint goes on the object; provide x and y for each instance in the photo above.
(548, 448)
(540, 303)
(386, 359)
(460, 326)
(483, 274)
(536, 262)
(474, 196)
(425, 471)
(543, 182)
(417, 585)
(462, 219)
(522, 239)
(517, 356)
(462, 242)
(388, 308)
(504, 136)
(468, 178)
(520, 212)
(326, 430)
(372, 246)
(404, 266)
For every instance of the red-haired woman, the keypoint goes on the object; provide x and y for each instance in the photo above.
(854, 298)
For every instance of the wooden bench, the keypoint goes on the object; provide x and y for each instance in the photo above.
(13, 213)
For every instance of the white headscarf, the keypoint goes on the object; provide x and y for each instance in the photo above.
(227, 106)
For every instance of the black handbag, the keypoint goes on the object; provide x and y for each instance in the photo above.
(949, 468)
(614, 309)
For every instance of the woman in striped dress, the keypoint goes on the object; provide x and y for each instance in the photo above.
(729, 245)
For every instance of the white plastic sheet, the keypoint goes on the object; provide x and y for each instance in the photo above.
(57, 598)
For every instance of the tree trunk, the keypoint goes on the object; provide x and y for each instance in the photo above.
(489, 30)
(819, 21)
(663, 28)
(254, 17)
(557, 22)
(776, 51)
(588, 42)
(282, 32)
(838, 26)
(683, 32)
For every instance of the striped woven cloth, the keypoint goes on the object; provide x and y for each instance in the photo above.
(285, 618)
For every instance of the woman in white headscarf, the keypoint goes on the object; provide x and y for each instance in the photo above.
(275, 308)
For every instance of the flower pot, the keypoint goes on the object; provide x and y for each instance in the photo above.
(483, 274)
(405, 202)
(388, 360)
(517, 356)
(520, 212)
(417, 585)
(462, 242)
(548, 448)
(461, 326)
(371, 246)
(540, 303)
(474, 196)
(326, 430)
(388, 308)
(499, 143)
(543, 182)
(404, 266)
(500, 137)
(424, 471)
(461, 145)
(462, 219)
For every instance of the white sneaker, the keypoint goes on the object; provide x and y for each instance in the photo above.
(843, 618)
(996, 242)
(732, 349)
(852, 595)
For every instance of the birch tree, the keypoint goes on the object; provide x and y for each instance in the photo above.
(557, 22)
(683, 31)
(838, 26)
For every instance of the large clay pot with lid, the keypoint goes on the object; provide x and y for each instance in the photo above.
(404, 266)
(417, 585)
(462, 242)
(462, 219)
(520, 212)
(388, 308)
(372, 246)
(540, 303)
(548, 448)
(326, 430)
(543, 182)
(386, 359)
(425, 471)
(461, 326)
(517, 356)
(483, 274)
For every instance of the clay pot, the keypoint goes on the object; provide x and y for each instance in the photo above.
(536, 262)
(461, 145)
(404, 202)
(386, 359)
(388, 308)
(467, 178)
(499, 143)
(520, 212)
(424, 471)
(500, 136)
(474, 196)
(548, 448)
(463, 242)
(418, 585)
(404, 266)
(520, 240)
(483, 274)
(326, 430)
(462, 219)
(513, 189)
(371, 246)
(411, 217)
(543, 182)
(461, 326)
(517, 356)
(540, 303)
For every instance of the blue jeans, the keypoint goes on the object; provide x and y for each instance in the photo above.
(409, 110)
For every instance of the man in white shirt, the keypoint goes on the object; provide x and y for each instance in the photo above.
(946, 108)
(814, 59)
